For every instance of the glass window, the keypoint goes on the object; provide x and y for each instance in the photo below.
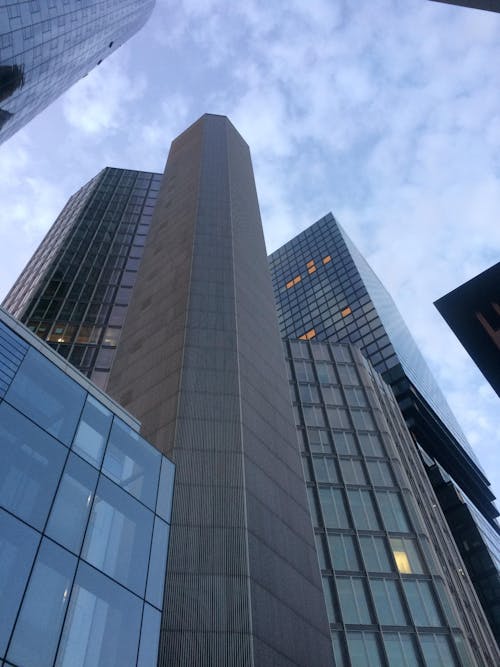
(18, 545)
(363, 509)
(132, 463)
(332, 395)
(353, 600)
(319, 441)
(166, 489)
(93, 431)
(69, 514)
(321, 552)
(308, 393)
(102, 625)
(343, 551)
(313, 416)
(118, 536)
(304, 371)
(364, 649)
(355, 397)
(329, 599)
(338, 418)
(345, 443)
(421, 601)
(157, 563)
(347, 374)
(393, 513)
(370, 444)
(388, 604)
(375, 554)
(437, 651)
(352, 471)
(334, 509)
(401, 649)
(320, 352)
(45, 394)
(444, 599)
(338, 650)
(380, 473)
(362, 419)
(34, 642)
(406, 555)
(313, 506)
(150, 636)
(325, 469)
(31, 462)
(326, 373)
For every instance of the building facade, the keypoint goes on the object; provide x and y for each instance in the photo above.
(325, 290)
(473, 313)
(488, 5)
(46, 47)
(84, 517)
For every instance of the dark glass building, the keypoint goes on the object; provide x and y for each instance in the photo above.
(48, 45)
(489, 5)
(84, 517)
(473, 313)
(325, 290)
(393, 579)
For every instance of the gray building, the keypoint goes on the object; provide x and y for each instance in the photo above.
(46, 46)
(488, 5)
(85, 508)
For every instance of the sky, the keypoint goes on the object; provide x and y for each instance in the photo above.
(384, 112)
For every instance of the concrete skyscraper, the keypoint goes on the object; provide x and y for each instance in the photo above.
(45, 47)
(325, 290)
(160, 291)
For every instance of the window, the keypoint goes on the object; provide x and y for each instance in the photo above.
(437, 651)
(401, 649)
(375, 554)
(329, 599)
(338, 418)
(388, 604)
(353, 600)
(406, 555)
(293, 282)
(421, 601)
(362, 419)
(345, 312)
(343, 552)
(319, 441)
(355, 397)
(332, 395)
(45, 394)
(157, 563)
(308, 335)
(370, 444)
(345, 443)
(352, 471)
(150, 635)
(333, 507)
(165, 490)
(327, 259)
(380, 473)
(313, 416)
(308, 393)
(363, 510)
(326, 373)
(325, 469)
(304, 371)
(347, 374)
(364, 649)
(93, 431)
(393, 513)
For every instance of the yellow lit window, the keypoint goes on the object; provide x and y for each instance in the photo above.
(327, 259)
(293, 282)
(402, 562)
(347, 311)
(311, 263)
(311, 269)
(308, 335)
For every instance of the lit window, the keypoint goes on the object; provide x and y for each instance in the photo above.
(309, 264)
(293, 282)
(402, 562)
(312, 269)
(308, 335)
(347, 311)
(327, 259)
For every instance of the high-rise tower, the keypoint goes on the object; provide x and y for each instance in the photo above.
(45, 47)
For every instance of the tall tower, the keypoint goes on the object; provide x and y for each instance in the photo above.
(326, 291)
(200, 364)
(46, 47)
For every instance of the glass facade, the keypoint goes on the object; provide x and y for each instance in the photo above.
(48, 45)
(75, 290)
(84, 518)
(385, 551)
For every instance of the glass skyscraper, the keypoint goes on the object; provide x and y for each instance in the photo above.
(325, 290)
(84, 517)
(48, 45)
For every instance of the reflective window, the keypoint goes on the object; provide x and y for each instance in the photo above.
(338, 418)
(421, 602)
(150, 636)
(326, 373)
(313, 416)
(375, 554)
(334, 509)
(132, 463)
(353, 600)
(308, 393)
(325, 469)
(370, 444)
(352, 471)
(332, 395)
(363, 509)
(364, 649)
(345, 443)
(362, 419)
(348, 374)
(102, 624)
(34, 642)
(380, 473)
(401, 649)
(338, 650)
(344, 556)
(319, 441)
(393, 513)
(321, 552)
(48, 396)
(157, 563)
(388, 604)
(68, 517)
(93, 431)
(437, 651)
(30, 466)
(165, 490)
(329, 599)
(406, 555)
(18, 545)
(118, 536)
(355, 397)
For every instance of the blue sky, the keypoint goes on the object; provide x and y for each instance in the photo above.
(385, 113)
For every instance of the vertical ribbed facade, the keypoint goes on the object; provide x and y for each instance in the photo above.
(200, 363)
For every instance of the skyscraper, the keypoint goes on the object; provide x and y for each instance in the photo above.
(45, 47)
(488, 5)
(325, 290)
(199, 361)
